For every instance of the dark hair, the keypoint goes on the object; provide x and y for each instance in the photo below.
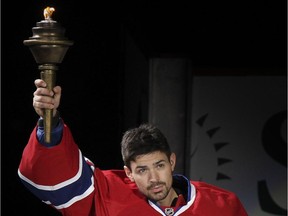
(141, 140)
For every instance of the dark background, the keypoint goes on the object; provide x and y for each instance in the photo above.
(214, 34)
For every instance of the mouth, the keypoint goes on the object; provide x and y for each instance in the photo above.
(157, 188)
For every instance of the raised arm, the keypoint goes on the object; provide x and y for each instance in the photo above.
(57, 172)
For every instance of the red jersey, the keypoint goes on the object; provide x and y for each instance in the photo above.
(62, 177)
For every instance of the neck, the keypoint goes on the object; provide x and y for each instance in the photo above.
(168, 200)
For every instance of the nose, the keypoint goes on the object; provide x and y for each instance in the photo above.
(153, 176)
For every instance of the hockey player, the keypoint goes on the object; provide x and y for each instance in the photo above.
(61, 176)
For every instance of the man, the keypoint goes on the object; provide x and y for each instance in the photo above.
(59, 175)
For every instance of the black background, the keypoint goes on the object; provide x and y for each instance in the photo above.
(214, 34)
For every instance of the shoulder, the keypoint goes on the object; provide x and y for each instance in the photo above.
(212, 190)
(207, 186)
(114, 176)
(221, 199)
(116, 182)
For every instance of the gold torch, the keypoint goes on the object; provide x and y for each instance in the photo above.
(48, 46)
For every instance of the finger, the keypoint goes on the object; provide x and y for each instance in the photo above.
(44, 99)
(43, 103)
(57, 89)
(57, 92)
(40, 106)
(40, 83)
(43, 92)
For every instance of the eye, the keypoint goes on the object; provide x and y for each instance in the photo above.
(160, 165)
(142, 170)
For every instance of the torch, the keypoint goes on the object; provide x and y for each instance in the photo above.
(48, 46)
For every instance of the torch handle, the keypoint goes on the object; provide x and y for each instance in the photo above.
(48, 74)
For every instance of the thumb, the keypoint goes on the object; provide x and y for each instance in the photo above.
(57, 96)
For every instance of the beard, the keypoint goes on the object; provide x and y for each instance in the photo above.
(158, 194)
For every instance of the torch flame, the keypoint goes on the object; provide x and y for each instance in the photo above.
(48, 11)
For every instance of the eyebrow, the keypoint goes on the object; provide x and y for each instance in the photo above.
(158, 162)
(154, 164)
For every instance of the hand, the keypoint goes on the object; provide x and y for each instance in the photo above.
(45, 99)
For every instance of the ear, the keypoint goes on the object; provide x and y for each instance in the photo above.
(128, 173)
(173, 161)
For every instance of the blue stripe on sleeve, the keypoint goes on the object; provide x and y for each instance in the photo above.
(66, 193)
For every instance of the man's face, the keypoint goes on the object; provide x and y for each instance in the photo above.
(152, 174)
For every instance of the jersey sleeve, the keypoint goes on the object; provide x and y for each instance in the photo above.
(60, 175)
